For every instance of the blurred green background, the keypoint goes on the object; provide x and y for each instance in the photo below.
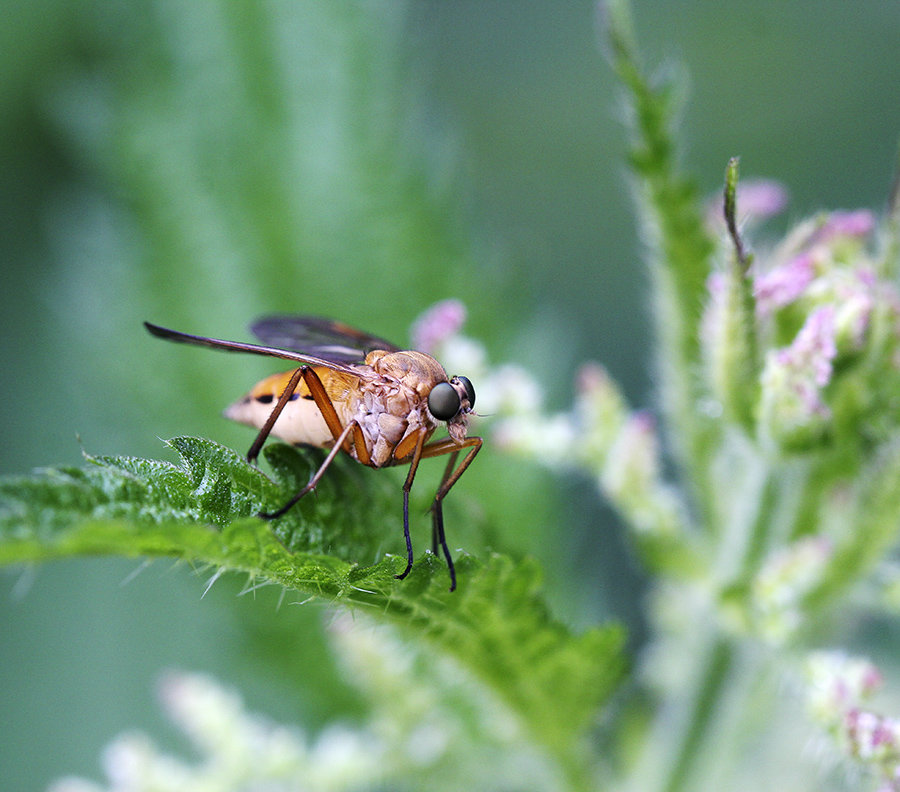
(202, 164)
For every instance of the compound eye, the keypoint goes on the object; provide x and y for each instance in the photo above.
(443, 401)
(470, 389)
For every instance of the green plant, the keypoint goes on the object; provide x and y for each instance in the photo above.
(778, 373)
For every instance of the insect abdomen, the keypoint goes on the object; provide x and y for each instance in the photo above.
(301, 420)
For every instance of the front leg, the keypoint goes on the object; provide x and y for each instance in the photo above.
(407, 486)
(451, 476)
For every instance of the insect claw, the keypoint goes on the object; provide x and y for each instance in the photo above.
(275, 514)
(278, 512)
(290, 504)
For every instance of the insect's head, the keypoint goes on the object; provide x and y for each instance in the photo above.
(449, 399)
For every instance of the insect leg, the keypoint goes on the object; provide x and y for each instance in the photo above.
(326, 407)
(330, 416)
(311, 484)
(285, 397)
(451, 476)
(407, 486)
(435, 539)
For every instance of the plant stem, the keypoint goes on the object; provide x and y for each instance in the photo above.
(685, 731)
(715, 673)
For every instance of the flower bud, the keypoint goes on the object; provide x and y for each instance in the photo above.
(782, 583)
(793, 410)
(436, 324)
(825, 328)
(838, 683)
(600, 412)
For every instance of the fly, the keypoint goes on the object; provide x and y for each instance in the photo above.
(356, 393)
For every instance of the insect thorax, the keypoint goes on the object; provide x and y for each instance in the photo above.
(393, 405)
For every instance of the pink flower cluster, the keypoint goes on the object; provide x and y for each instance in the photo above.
(839, 686)
(819, 307)
(808, 360)
(437, 324)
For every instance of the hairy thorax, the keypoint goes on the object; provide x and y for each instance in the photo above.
(392, 406)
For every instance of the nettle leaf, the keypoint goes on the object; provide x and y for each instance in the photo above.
(202, 509)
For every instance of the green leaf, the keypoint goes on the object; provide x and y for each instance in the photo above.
(202, 510)
(735, 370)
(680, 247)
(870, 527)
(679, 250)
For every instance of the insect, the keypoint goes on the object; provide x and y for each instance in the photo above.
(356, 393)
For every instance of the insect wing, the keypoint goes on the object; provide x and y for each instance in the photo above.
(254, 349)
(323, 338)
